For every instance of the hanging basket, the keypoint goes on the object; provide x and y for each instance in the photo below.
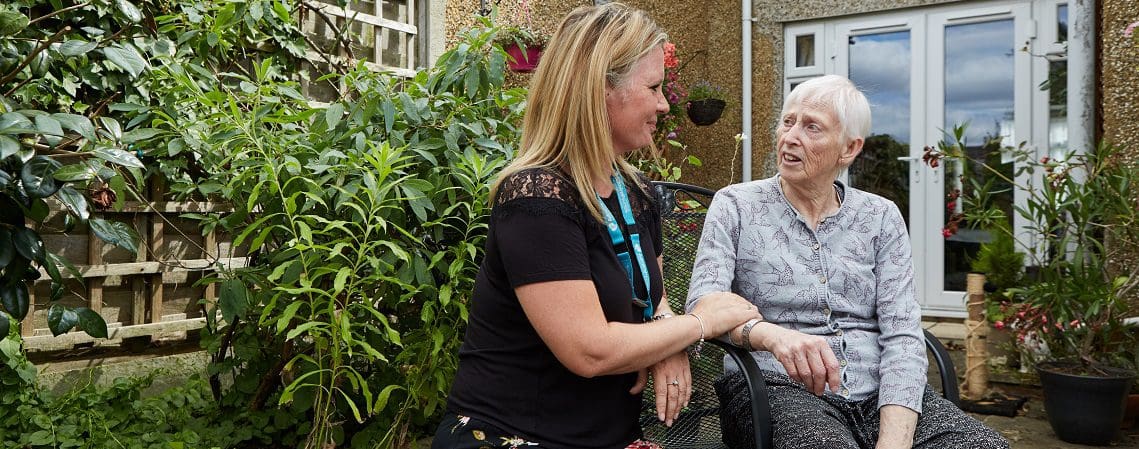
(705, 112)
(522, 59)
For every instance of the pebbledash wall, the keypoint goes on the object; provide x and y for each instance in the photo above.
(707, 34)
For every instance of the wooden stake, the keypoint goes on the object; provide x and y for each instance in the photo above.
(977, 330)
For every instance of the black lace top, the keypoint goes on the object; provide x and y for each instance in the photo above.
(540, 231)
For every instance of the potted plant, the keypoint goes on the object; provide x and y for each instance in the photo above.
(1077, 213)
(705, 103)
(523, 46)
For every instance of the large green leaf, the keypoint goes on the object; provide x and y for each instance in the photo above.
(81, 171)
(7, 250)
(76, 47)
(126, 57)
(117, 156)
(28, 244)
(8, 147)
(61, 319)
(15, 123)
(74, 201)
(129, 10)
(91, 322)
(38, 177)
(233, 299)
(115, 233)
(10, 212)
(77, 123)
(14, 297)
(11, 23)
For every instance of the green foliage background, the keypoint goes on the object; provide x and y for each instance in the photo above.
(364, 217)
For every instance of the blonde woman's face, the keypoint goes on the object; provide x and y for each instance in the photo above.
(633, 108)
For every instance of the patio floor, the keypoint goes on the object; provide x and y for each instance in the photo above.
(1030, 428)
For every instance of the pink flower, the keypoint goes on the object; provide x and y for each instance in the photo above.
(999, 325)
(946, 232)
(1130, 29)
(670, 60)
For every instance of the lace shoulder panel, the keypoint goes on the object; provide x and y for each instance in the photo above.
(537, 182)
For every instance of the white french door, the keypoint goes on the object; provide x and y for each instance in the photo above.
(924, 72)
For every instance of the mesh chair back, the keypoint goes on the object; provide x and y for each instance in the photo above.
(682, 220)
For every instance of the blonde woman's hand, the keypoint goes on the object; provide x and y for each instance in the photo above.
(720, 312)
(672, 383)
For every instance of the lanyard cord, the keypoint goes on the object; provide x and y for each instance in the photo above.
(618, 239)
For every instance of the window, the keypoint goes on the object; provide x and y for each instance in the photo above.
(385, 34)
(999, 66)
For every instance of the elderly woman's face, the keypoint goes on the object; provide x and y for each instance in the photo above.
(810, 145)
(633, 107)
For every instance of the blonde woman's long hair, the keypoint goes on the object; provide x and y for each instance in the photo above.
(566, 124)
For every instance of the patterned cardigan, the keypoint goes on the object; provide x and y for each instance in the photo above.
(851, 281)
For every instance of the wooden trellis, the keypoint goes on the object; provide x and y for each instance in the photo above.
(148, 295)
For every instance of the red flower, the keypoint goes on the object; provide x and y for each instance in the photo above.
(951, 206)
(946, 232)
(999, 325)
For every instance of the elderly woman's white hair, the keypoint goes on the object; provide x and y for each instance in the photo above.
(846, 101)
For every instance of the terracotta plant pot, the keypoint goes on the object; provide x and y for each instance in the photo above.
(705, 112)
(522, 59)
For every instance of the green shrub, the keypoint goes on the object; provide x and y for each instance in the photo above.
(365, 219)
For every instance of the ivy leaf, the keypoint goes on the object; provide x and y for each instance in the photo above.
(129, 10)
(36, 175)
(28, 244)
(11, 23)
(76, 47)
(14, 297)
(91, 322)
(61, 319)
(127, 58)
(233, 300)
(115, 233)
(117, 156)
(74, 201)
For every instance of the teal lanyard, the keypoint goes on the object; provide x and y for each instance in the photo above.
(618, 239)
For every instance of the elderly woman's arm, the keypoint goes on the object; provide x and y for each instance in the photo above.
(903, 362)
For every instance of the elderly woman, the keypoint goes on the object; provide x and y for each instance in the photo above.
(830, 269)
(567, 318)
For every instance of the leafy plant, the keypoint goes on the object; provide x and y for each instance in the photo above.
(1003, 266)
(1080, 213)
(522, 36)
(365, 220)
(704, 90)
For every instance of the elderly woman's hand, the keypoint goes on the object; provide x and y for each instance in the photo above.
(807, 358)
(722, 311)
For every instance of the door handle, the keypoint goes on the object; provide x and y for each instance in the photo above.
(915, 167)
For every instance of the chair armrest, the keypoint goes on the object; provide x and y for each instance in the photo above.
(945, 367)
(760, 408)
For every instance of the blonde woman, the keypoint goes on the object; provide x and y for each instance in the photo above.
(567, 319)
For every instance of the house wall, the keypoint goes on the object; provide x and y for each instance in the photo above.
(1119, 82)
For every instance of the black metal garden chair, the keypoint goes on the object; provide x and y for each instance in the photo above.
(698, 427)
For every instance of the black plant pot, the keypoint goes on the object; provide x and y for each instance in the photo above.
(705, 112)
(1084, 409)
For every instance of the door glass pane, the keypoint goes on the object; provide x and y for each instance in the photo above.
(1058, 109)
(880, 67)
(1062, 23)
(979, 93)
(805, 50)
